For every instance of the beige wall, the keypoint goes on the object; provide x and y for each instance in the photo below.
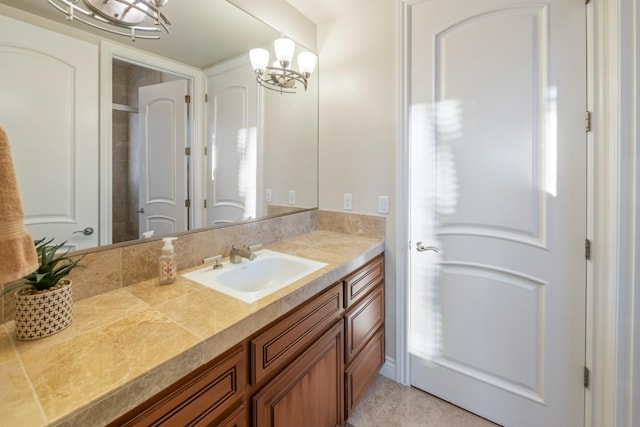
(358, 122)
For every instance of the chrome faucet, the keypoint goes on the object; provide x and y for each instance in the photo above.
(236, 255)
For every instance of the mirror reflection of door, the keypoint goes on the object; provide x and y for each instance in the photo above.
(149, 168)
(48, 108)
(233, 185)
(163, 133)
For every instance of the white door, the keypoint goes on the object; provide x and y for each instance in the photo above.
(49, 110)
(498, 186)
(163, 114)
(233, 171)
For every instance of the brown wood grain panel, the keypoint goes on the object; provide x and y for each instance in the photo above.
(310, 391)
(363, 370)
(239, 418)
(199, 398)
(362, 321)
(280, 343)
(363, 280)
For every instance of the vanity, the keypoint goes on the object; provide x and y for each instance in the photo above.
(309, 367)
(184, 354)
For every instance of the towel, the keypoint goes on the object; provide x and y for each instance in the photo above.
(18, 255)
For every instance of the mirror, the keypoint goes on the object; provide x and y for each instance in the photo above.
(267, 167)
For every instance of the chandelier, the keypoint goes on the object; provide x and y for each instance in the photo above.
(132, 18)
(280, 77)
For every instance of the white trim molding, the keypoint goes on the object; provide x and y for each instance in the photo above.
(615, 236)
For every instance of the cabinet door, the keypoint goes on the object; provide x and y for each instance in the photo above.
(362, 321)
(310, 391)
(363, 370)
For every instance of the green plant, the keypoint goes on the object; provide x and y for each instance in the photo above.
(53, 267)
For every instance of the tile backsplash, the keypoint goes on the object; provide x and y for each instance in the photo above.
(115, 267)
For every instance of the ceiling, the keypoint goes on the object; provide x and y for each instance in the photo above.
(203, 32)
(322, 10)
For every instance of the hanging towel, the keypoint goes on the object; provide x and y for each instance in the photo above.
(17, 251)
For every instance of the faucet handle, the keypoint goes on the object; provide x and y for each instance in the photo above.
(253, 248)
(217, 259)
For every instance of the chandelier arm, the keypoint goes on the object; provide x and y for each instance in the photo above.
(101, 22)
(109, 30)
(271, 86)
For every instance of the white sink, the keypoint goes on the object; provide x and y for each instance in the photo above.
(251, 280)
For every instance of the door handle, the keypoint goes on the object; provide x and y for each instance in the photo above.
(87, 231)
(141, 210)
(422, 247)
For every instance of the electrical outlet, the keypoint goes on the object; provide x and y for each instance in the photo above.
(269, 195)
(383, 204)
(292, 197)
(348, 201)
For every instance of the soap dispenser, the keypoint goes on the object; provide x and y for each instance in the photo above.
(168, 263)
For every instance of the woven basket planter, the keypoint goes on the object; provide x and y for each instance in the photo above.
(43, 313)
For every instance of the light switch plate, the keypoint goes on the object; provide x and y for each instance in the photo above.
(383, 204)
(348, 201)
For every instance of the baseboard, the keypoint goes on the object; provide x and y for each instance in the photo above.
(389, 368)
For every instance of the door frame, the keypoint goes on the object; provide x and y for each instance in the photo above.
(110, 51)
(609, 351)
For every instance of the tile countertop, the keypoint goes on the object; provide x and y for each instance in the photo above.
(126, 345)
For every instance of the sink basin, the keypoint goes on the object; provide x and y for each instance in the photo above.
(251, 280)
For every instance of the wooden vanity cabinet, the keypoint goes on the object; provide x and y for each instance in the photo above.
(364, 330)
(211, 395)
(309, 391)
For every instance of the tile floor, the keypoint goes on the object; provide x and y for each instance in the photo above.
(389, 404)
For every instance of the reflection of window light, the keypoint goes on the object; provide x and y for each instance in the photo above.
(550, 146)
(213, 156)
(248, 169)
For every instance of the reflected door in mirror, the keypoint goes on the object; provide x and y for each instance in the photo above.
(235, 165)
(49, 110)
(163, 178)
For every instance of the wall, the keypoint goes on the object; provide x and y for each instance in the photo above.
(358, 125)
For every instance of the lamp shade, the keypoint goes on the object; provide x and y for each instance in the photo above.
(284, 49)
(306, 62)
(259, 59)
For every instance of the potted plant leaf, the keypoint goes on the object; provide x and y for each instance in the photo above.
(44, 298)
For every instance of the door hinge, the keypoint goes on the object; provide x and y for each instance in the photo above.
(587, 121)
(187, 99)
(187, 151)
(205, 203)
(587, 375)
(587, 249)
(206, 97)
(206, 151)
(587, 1)
(187, 203)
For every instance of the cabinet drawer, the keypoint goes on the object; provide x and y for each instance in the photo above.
(363, 370)
(362, 281)
(277, 346)
(239, 418)
(199, 399)
(362, 321)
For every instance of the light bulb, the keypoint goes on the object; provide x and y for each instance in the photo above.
(284, 49)
(306, 62)
(259, 59)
